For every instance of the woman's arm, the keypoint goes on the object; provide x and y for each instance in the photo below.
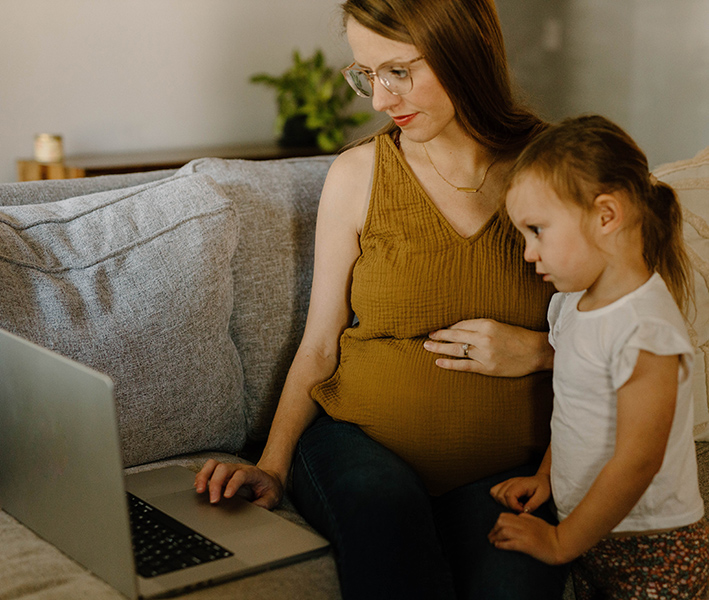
(494, 348)
(341, 213)
(646, 406)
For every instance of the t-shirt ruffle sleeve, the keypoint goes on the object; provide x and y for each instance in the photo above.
(657, 338)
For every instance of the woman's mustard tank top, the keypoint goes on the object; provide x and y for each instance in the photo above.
(416, 274)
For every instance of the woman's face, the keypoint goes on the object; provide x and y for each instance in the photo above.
(423, 113)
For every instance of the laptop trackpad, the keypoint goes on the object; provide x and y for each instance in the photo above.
(158, 482)
(252, 533)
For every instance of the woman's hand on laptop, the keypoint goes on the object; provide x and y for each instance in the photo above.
(227, 479)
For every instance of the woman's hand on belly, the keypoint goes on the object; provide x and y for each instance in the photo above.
(491, 348)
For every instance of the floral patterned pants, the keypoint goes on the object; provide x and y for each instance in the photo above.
(672, 565)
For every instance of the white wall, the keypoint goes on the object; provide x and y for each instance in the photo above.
(642, 63)
(130, 75)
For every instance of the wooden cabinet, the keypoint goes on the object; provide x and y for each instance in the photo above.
(107, 164)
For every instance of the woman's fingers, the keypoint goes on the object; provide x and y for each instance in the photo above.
(229, 479)
(201, 480)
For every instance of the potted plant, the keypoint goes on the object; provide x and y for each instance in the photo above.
(312, 99)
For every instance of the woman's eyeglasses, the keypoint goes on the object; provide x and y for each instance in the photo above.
(395, 77)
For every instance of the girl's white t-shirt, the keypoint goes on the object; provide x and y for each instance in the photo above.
(596, 353)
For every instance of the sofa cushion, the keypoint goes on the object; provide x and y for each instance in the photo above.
(51, 190)
(136, 283)
(277, 205)
(690, 179)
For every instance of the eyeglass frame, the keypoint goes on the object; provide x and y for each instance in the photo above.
(372, 74)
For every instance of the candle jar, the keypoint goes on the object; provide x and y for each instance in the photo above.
(48, 148)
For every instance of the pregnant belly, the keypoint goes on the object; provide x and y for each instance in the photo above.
(452, 427)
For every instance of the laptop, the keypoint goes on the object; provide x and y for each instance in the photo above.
(61, 475)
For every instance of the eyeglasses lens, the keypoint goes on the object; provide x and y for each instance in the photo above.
(359, 82)
(395, 79)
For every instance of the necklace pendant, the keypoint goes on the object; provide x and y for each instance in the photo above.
(465, 190)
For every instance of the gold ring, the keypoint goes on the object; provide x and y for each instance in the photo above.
(465, 350)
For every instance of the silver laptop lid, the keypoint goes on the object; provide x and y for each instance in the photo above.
(59, 435)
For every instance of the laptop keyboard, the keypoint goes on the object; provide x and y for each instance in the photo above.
(162, 545)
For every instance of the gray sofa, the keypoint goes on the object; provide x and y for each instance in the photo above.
(190, 289)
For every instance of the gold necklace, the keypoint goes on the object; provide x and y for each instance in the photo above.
(467, 190)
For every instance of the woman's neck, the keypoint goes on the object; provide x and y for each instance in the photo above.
(454, 162)
(463, 162)
(454, 154)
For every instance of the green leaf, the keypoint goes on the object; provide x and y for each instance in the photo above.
(313, 89)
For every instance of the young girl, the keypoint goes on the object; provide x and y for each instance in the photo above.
(621, 465)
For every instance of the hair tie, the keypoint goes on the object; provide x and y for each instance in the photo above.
(653, 180)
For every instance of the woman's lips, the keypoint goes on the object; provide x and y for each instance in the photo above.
(403, 120)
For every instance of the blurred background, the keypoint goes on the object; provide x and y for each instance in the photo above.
(136, 75)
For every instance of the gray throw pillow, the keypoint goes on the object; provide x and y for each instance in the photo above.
(137, 284)
(277, 202)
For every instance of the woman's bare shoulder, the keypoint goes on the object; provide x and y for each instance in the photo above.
(349, 183)
(354, 161)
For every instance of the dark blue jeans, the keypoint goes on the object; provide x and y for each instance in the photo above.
(393, 540)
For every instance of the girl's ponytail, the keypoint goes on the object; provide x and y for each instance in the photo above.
(663, 241)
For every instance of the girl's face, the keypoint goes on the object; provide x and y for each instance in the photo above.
(424, 112)
(556, 240)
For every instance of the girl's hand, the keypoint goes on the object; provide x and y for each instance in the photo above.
(493, 348)
(523, 494)
(264, 488)
(529, 534)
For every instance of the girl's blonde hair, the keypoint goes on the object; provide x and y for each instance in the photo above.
(586, 156)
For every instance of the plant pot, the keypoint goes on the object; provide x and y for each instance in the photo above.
(296, 134)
